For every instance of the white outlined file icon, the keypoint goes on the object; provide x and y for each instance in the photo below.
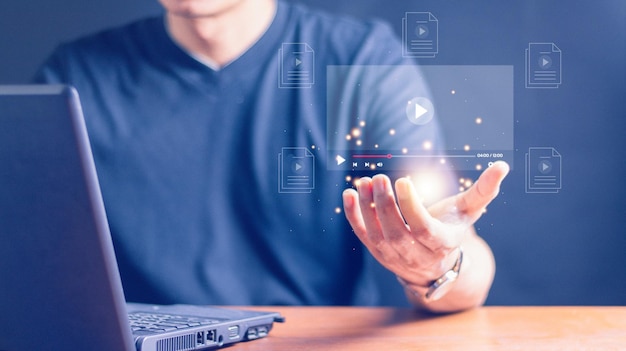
(420, 35)
(543, 170)
(543, 65)
(296, 65)
(296, 170)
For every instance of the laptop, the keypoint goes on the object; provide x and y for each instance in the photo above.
(60, 287)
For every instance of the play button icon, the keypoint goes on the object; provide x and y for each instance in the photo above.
(545, 166)
(545, 61)
(421, 31)
(296, 166)
(420, 110)
(340, 160)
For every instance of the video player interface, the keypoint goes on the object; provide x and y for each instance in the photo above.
(403, 117)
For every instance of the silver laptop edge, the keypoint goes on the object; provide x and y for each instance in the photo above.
(62, 288)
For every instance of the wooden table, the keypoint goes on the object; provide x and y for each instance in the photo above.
(486, 328)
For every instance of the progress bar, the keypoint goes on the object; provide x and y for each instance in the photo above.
(389, 156)
(381, 161)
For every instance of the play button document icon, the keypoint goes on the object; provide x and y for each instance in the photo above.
(543, 170)
(420, 110)
(296, 168)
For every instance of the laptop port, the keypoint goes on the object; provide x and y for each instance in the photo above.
(262, 331)
(200, 338)
(211, 336)
(233, 332)
(252, 334)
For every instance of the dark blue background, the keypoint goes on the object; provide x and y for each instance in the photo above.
(565, 248)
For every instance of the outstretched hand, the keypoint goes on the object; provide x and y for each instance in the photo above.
(407, 238)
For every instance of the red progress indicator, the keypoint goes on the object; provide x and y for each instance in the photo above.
(373, 156)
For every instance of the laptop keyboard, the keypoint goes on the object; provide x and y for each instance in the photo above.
(146, 322)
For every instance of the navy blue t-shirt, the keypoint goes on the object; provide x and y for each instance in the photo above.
(189, 162)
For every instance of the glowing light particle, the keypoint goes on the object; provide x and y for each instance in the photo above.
(430, 185)
(392, 132)
(359, 142)
(337, 210)
(479, 120)
(356, 132)
(427, 145)
(479, 167)
(362, 123)
(348, 137)
(466, 148)
(405, 150)
(452, 91)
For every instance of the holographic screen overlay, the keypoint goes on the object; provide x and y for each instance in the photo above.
(406, 117)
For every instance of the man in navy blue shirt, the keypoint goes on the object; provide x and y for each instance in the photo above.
(188, 114)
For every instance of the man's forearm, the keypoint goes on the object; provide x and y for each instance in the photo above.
(473, 283)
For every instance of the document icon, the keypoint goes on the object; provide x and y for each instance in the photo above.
(543, 65)
(296, 170)
(296, 65)
(420, 31)
(543, 170)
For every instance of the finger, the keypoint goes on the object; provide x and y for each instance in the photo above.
(393, 226)
(352, 211)
(415, 214)
(486, 188)
(424, 228)
(399, 244)
(368, 210)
